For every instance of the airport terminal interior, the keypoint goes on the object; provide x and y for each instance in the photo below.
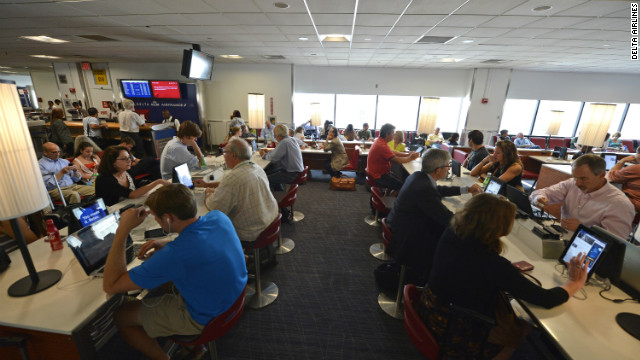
(556, 79)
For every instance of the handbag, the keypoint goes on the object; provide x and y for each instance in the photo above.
(342, 183)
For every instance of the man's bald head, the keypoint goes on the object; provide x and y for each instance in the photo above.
(51, 150)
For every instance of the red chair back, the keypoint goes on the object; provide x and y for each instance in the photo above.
(290, 197)
(459, 155)
(418, 332)
(268, 235)
(219, 325)
(376, 200)
(377, 133)
(303, 176)
(386, 233)
(353, 161)
(540, 141)
(629, 145)
(553, 142)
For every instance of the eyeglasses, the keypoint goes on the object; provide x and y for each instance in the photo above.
(124, 159)
(54, 152)
(447, 165)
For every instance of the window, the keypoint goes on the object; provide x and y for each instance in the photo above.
(571, 110)
(302, 107)
(517, 115)
(631, 125)
(355, 109)
(401, 111)
(615, 122)
(448, 114)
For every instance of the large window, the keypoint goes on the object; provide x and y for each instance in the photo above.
(355, 109)
(401, 111)
(615, 122)
(449, 114)
(631, 126)
(518, 115)
(571, 110)
(302, 107)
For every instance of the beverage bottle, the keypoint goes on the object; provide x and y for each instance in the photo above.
(53, 236)
(92, 180)
(203, 164)
(486, 181)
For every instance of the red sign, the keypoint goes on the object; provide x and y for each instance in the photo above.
(72, 90)
(165, 89)
(105, 104)
(271, 105)
(86, 66)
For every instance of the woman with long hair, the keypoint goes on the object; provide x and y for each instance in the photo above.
(504, 164)
(60, 133)
(339, 158)
(349, 133)
(87, 162)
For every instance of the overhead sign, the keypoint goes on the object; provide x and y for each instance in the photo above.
(101, 76)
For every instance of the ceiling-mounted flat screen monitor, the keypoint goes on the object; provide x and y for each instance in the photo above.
(136, 88)
(197, 65)
(165, 89)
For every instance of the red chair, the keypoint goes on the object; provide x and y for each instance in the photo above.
(529, 175)
(553, 142)
(285, 245)
(629, 145)
(266, 296)
(378, 249)
(377, 133)
(446, 147)
(392, 307)
(540, 141)
(302, 178)
(216, 328)
(567, 143)
(353, 161)
(418, 332)
(370, 219)
(459, 155)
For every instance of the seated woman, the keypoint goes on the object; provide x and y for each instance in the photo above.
(339, 158)
(397, 144)
(60, 133)
(615, 143)
(87, 162)
(453, 139)
(349, 133)
(234, 133)
(469, 272)
(114, 183)
(628, 176)
(504, 164)
(245, 132)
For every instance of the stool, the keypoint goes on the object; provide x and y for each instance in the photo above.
(302, 178)
(378, 205)
(285, 245)
(217, 327)
(17, 341)
(378, 249)
(393, 307)
(371, 219)
(266, 296)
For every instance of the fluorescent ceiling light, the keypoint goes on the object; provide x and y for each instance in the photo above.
(231, 56)
(335, 37)
(303, 38)
(450, 60)
(467, 41)
(5, 67)
(44, 38)
(45, 56)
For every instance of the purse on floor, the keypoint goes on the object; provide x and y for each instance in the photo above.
(342, 183)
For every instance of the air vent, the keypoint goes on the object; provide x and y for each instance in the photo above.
(494, 61)
(96, 38)
(273, 57)
(434, 39)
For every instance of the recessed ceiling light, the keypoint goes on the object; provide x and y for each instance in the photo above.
(281, 5)
(367, 39)
(335, 37)
(45, 56)
(606, 45)
(303, 38)
(467, 41)
(542, 8)
(449, 60)
(44, 38)
(231, 56)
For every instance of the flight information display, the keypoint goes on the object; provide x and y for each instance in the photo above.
(165, 89)
(136, 88)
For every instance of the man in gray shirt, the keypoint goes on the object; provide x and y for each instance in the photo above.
(475, 138)
(286, 159)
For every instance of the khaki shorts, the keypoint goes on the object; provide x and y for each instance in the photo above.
(167, 315)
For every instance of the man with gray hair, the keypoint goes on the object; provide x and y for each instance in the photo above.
(419, 217)
(243, 194)
(588, 199)
(130, 123)
(286, 159)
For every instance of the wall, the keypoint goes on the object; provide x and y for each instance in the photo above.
(44, 83)
(491, 84)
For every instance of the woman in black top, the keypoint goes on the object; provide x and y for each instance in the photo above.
(504, 164)
(469, 272)
(453, 139)
(114, 182)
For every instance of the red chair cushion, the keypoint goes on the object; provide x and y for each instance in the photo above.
(353, 161)
(268, 235)
(553, 142)
(289, 198)
(418, 332)
(459, 155)
(529, 175)
(629, 145)
(540, 141)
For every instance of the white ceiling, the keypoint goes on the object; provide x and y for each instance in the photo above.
(574, 35)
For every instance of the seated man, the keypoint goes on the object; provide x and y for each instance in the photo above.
(51, 166)
(504, 135)
(175, 152)
(628, 176)
(522, 142)
(243, 194)
(380, 155)
(205, 263)
(300, 142)
(435, 139)
(268, 133)
(589, 199)
(418, 216)
(475, 138)
(147, 165)
(365, 133)
(286, 159)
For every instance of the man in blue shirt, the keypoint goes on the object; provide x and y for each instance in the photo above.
(286, 159)
(176, 153)
(55, 169)
(522, 142)
(205, 263)
(267, 132)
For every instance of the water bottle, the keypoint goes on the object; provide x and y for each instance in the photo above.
(486, 181)
(92, 180)
(203, 164)
(53, 236)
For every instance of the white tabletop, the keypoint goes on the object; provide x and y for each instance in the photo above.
(550, 160)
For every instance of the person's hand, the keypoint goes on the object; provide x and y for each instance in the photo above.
(149, 248)
(132, 218)
(627, 159)
(414, 156)
(329, 136)
(541, 200)
(190, 142)
(487, 159)
(200, 183)
(578, 268)
(66, 169)
(570, 224)
(475, 189)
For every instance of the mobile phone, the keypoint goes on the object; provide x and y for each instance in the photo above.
(154, 233)
(523, 265)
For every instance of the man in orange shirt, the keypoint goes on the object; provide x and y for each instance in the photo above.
(380, 157)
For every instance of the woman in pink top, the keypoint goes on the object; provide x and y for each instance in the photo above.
(629, 177)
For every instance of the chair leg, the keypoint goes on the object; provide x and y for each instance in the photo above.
(372, 220)
(393, 307)
(378, 252)
(296, 215)
(284, 245)
(266, 296)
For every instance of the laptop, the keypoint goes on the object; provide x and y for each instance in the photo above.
(520, 199)
(87, 215)
(182, 175)
(91, 245)
(589, 242)
(610, 160)
(495, 186)
(455, 167)
(556, 152)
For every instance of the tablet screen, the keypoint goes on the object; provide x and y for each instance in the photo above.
(587, 242)
(183, 176)
(493, 187)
